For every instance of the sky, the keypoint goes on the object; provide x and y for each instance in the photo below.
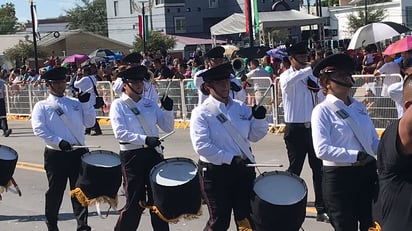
(45, 8)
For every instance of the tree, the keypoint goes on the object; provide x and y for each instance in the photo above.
(8, 19)
(21, 52)
(358, 20)
(90, 17)
(156, 42)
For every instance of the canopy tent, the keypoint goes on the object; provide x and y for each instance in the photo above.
(236, 23)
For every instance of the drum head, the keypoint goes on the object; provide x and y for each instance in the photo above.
(101, 158)
(174, 172)
(7, 153)
(280, 188)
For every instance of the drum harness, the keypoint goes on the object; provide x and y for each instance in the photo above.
(63, 117)
(131, 105)
(344, 115)
(231, 130)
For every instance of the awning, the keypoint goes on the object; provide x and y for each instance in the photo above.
(271, 19)
(287, 18)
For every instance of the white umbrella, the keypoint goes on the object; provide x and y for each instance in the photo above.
(375, 32)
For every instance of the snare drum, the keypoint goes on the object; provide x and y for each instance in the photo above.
(8, 161)
(278, 201)
(99, 179)
(176, 189)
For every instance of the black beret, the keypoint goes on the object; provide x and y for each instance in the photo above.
(219, 72)
(134, 57)
(216, 52)
(58, 73)
(134, 73)
(341, 62)
(298, 48)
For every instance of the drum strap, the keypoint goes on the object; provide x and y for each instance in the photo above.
(65, 120)
(231, 130)
(131, 105)
(344, 115)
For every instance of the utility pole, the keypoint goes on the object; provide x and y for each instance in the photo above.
(34, 26)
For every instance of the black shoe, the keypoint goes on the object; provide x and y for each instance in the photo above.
(322, 217)
(96, 134)
(7, 133)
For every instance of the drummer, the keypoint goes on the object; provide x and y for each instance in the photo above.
(226, 181)
(140, 149)
(346, 141)
(60, 121)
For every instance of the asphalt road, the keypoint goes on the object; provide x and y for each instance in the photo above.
(27, 212)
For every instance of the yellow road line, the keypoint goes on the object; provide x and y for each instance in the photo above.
(311, 210)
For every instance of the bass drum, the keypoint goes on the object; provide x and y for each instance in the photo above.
(176, 189)
(278, 201)
(99, 179)
(8, 161)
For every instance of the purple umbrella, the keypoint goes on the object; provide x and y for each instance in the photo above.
(278, 53)
(76, 58)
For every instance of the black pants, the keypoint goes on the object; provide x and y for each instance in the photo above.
(61, 166)
(298, 140)
(3, 116)
(226, 188)
(136, 166)
(348, 194)
(96, 128)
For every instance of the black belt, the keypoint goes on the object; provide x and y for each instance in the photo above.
(300, 125)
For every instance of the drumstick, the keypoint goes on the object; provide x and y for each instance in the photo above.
(264, 95)
(86, 146)
(264, 165)
(167, 135)
(16, 186)
(261, 99)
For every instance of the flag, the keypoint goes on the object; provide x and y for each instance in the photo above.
(255, 17)
(140, 23)
(247, 16)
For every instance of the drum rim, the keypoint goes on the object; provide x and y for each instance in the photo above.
(12, 151)
(100, 152)
(286, 173)
(171, 160)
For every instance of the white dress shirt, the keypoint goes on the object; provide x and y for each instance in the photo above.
(298, 100)
(395, 92)
(127, 127)
(333, 138)
(212, 141)
(50, 127)
(85, 84)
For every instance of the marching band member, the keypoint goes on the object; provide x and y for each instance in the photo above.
(135, 59)
(226, 181)
(393, 207)
(60, 121)
(345, 140)
(299, 96)
(134, 121)
(216, 57)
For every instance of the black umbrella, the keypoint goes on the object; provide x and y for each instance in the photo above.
(101, 53)
(252, 52)
(93, 60)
